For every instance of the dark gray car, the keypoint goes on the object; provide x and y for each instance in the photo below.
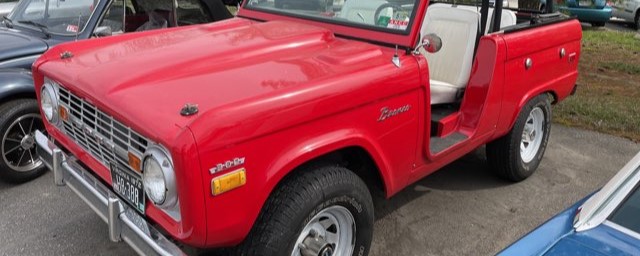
(34, 26)
(6, 6)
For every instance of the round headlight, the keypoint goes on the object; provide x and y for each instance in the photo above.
(49, 103)
(154, 183)
(158, 178)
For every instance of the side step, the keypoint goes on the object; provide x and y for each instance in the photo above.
(439, 144)
(444, 120)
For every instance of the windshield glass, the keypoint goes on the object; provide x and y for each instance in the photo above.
(393, 15)
(63, 17)
(627, 214)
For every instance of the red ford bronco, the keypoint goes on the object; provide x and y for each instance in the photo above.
(268, 134)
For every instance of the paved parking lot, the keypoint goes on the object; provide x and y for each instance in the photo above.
(460, 210)
(620, 25)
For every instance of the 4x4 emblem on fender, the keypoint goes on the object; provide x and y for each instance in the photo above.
(227, 164)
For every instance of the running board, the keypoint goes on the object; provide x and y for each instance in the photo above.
(439, 144)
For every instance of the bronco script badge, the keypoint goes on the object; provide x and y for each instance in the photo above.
(386, 112)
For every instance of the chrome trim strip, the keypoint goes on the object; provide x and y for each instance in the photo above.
(123, 221)
(622, 229)
(597, 209)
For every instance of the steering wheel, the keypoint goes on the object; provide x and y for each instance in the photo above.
(376, 16)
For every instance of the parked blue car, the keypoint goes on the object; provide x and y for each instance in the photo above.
(605, 223)
(596, 12)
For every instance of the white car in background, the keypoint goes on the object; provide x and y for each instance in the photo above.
(628, 10)
(6, 7)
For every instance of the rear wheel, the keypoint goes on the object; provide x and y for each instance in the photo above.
(320, 211)
(19, 119)
(517, 155)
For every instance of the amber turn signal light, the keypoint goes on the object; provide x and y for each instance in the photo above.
(62, 112)
(228, 182)
(135, 162)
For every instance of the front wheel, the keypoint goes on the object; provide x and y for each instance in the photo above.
(517, 155)
(324, 211)
(19, 119)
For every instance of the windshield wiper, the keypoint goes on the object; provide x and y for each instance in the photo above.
(41, 26)
(7, 22)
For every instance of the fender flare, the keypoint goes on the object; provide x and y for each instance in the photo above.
(309, 150)
(16, 82)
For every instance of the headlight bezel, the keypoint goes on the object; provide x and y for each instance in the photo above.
(163, 159)
(49, 90)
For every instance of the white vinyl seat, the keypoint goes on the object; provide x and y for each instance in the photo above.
(508, 17)
(361, 11)
(450, 68)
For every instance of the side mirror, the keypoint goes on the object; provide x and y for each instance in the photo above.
(431, 43)
(103, 31)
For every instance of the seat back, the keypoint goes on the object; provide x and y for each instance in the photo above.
(458, 29)
(508, 17)
(361, 11)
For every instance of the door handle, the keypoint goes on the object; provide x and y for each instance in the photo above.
(528, 63)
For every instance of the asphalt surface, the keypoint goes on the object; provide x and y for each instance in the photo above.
(619, 25)
(460, 210)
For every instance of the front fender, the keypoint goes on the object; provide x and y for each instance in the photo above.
(16, 82)
(331, 142)
(234, 213)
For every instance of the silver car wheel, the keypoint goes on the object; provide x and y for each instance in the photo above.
(330, 232)
(532, 135)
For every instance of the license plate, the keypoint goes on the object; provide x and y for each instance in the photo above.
(129, 186)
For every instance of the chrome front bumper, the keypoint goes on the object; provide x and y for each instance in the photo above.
(123, 221)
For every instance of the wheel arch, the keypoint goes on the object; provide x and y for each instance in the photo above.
(354, 153)
(512, 121)
(16, 84)
(346, 151)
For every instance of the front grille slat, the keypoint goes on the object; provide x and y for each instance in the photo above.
(88, 125)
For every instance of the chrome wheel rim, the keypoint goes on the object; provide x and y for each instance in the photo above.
(18, 143)
(330, 232)
(532, 135)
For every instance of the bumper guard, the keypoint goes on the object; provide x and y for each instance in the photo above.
(123, 221)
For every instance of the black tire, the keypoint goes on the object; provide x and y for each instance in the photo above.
(597, 24)
(10, 165)
(636, 21)
(298, 199)
(504, 154)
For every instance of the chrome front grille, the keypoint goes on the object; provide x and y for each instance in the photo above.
(108, 140)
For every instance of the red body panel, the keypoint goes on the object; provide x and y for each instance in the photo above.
(281, 93)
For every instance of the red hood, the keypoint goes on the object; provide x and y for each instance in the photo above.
(236, 66)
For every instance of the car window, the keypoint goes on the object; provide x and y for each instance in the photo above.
(58, 17)
(124, 16)
(191, 12)
(114, 17)
(628, 213)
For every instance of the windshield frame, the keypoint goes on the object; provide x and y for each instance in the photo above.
(23, 4)
(407, 38)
